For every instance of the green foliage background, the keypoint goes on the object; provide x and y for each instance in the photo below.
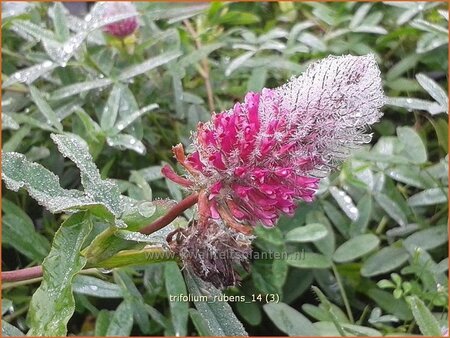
(374, 253)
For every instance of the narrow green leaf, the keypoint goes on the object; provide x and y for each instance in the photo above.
(429, 197)
(326, 245)
(328, 329)
(8, 122)
(29, 28)
(359, 15)
(175, 286)
(199, 323)
(60, 22)
(345, 202)
(52, 305)
(238, 18)
(78, 88)
(251, 312)
(109, 114)
(427, 323)
(364, 206)
(297, 282)
(370, 29)
(391, 208)
(414, 146)
(356, 247)
(37, 153)
(16, 139)
(433, 89)
(156, 316)
(308, 260)
(428, 238)
(385, 260)
(269, 274)
(102, 322)
(217, 314)
(257, 79)
(338, 219)
(199, 54)
(18, 231)
(45, 108)
(148, 65)
(30, 74)
(416, 104)
(308, 233)
(122, 321)
(9, 330)
(289, 320)
(330, 310)
(237, 62)
(125, 141)
(103, 191)
(405, 64)
(398, 307)
(91, 286)
(127, 120)
(409, 175)
(132, 295)
(145, 192)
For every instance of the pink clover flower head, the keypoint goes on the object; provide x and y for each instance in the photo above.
(123, 27)
(253, 162)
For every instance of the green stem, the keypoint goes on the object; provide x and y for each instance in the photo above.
(5, 286)
(343, 293)
(381, 225)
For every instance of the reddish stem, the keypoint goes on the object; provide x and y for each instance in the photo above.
(22, 274)
(171, 215)
(36, 271)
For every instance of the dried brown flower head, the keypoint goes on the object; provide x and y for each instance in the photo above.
(212, 251)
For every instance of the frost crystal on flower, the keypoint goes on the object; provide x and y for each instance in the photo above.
(251, 163)
(124, 27)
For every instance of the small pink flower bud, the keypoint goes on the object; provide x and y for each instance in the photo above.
(124, 27)
(271, 150)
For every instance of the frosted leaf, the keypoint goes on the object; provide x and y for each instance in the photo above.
(67, 109)
(29, 30)
(15, 8)
(125, 141)
(79, 88)
(218, 315)
(8, 122)
(41, 184)
(104, 191)
(140, 238)
(129, 119)
(61, 53)
(120, 224)
(345, 202)
(30, 74)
